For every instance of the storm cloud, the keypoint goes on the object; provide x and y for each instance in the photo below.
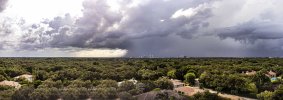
(100, 27)
(3, 4)
(252, 31)
(163, 28)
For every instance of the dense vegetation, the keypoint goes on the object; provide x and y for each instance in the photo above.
(82, 78)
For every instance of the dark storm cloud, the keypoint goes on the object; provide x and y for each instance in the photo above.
(99, 27)
(3, 4)
(262, 38)
(253, 30)
(163, 28)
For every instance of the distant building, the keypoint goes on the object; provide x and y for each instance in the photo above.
(177, 83)
(26, 76)
(10, 83)
(131, 80)
(250, 73)
(270, 74)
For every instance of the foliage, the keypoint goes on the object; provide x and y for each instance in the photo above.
(45, 94)
(266, 95)
(164, 83)
(2, 78)
(23, 93)
(97, 78)
(125, 96)
(190, 78)
(262, 82)
(278, 93)
(207, 96)
(126, 86)
(171, 74)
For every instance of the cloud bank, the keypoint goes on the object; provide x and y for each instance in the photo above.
(2, 5)
(162, 28)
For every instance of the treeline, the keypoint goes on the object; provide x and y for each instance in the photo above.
(98, 78)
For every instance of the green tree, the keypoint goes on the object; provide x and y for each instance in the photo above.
(14, 71)
(219, 89)
(45, 94)
(266, 95)
(278, 93)
(252, 88)
(190, 78)
(2, 78)
(207, 96)
(125, 96)
(50, 84)
(80, 83)
(76, 93)
(149, 74)
(23, 93)
(105, 93)
(164, 83)
(126, 86)
(148, 85)
(108, 83)
(261, 81)
(41, 75)
(171, 74)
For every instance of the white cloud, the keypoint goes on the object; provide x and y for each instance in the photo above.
(189, 12)
(34, 11)
(66, 52)
(101, 53)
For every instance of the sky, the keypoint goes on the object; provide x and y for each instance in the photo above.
(134, 28)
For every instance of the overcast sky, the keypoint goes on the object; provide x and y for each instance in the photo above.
(132, 28)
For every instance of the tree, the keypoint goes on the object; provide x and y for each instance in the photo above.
(261, 81)
(68, 74)
(5, 87)
(45, 94)
(171, 74)
(162, 95)
(206, 95)
(148, 85)
(41, 75)
(80, 83)
(180, 73)
(149, 74)
(203, 75)
(14, 71)
(190, 78)
(2, 78)
(125, 96)
(252, 88)
(278, 93)
(76, 94)
(104, 93)
(6, 94)
(108, 83)
(164, 83)
(89, 75)
(219, 89)
(23, 93)
(266, 95)
(50, 84)
(126, 86)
